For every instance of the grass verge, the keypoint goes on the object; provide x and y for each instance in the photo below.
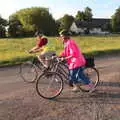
(12, 51)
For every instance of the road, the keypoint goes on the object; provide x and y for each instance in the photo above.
(19, 100)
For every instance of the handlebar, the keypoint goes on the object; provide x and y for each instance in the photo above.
(55, 57)
(58, 58)
(28, 52)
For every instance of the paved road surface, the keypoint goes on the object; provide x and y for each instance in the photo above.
(19, 100)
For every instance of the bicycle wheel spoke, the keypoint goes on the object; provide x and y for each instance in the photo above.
(28, 72)
(49, 85)
(93, 76)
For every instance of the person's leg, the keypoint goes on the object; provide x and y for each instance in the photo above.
(73, 79)
(41, 58)
(48, 55)
(82, 77)
(73, 75)
(85, 80)
(70, 78)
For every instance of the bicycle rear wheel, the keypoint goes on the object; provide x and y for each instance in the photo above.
(49, 85)
(39, 66)
(28, 72)
(93, 75)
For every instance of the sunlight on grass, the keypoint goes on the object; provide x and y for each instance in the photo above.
(13, 50)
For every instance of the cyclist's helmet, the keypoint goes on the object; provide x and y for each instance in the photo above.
(38, 33)
(64, 32)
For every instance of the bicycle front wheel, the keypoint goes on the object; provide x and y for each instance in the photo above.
(93, 75)
(49, 85)
(28, 72)
(63, 68)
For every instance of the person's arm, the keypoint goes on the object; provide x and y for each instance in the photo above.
(63, 56)
(68, 57)
(71, 51)
(35, 49)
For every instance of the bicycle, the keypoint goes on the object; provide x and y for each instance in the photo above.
(89, 70)
(61, 67)
(30, 70)
(43, 91)
(49, 84)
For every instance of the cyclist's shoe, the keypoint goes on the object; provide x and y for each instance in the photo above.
(76, 88)
(70, 84)
(90, 87)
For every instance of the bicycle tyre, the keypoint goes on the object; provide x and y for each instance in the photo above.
(93, 75)
(39, 66)
(62, 69)
(28, 72)
(49, 85)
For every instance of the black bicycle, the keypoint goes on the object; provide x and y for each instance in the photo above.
(50, 84)
(89, 70)
(30, 70)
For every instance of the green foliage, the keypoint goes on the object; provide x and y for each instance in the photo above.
(3, 23)
(15, 28)
(116, 21)
(85, 15)
(80, 15)
(34, 18)
(88, 14)
(2, 32)
(65, 22)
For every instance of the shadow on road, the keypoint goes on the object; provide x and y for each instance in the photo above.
(110, 84)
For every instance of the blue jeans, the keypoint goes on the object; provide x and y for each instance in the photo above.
(77, 75)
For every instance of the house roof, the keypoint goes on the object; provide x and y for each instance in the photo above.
(94, 23)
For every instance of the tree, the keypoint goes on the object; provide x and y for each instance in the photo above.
(36, 18)
(88, 14)
(15, 28)
(85, 15)
(65, 22)
(116, 21)
(80, 16)
(3, 24)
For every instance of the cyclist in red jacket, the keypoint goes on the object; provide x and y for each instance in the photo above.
(42, 47)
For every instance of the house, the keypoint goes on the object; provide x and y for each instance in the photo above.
(95, 26)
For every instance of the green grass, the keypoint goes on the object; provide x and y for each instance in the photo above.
(12, 51)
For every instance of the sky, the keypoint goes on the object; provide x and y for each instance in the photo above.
(100, 8)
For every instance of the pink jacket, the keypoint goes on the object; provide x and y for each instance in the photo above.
(71, 49)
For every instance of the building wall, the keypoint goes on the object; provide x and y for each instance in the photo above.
(95, 30)
(77, 30)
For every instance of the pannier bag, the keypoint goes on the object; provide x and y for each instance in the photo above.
(90, 61)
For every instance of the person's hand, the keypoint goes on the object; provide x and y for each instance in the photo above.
(53, 57)
(30, 51)
(57, 38)
(62, 58)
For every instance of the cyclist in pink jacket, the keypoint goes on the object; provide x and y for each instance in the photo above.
(75, 61)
